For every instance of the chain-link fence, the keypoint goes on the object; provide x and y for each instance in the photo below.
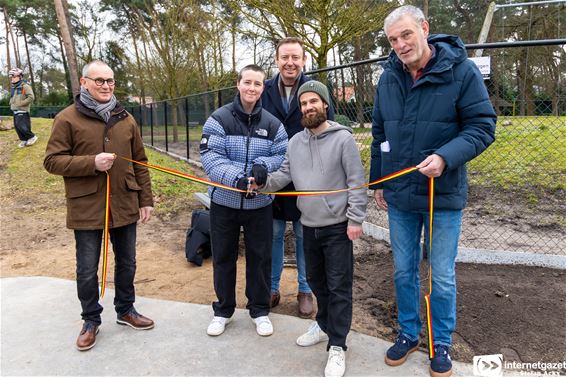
(35, 111)
(517, 187)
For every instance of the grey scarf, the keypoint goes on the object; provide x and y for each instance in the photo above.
(102, 109)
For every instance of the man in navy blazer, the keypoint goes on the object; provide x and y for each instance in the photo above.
(279, 98)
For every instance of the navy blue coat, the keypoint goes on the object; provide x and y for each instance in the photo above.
(285, 207)
(446, 111)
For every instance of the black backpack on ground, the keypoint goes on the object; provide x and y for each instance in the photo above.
(197, 246)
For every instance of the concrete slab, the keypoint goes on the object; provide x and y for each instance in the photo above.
(40, 321)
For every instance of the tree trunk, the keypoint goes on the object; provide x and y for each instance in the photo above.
(145, 55)
(202, 68)
(29, 62)
(66, 68)
(342, 79)
(233, 31)
(10, 31)
(321, 62)
(39, 93)
(425, 8)
(66, 35)
(141, 81)
(69, 23)
(6, 24)
(360, 97)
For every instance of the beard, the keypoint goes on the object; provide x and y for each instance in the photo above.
(311, 122)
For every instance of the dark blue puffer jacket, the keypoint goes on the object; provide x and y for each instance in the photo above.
(447, 112)
(232, 142)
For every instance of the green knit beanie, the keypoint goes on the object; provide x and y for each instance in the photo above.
(315, 87)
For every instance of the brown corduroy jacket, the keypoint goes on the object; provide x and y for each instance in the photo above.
(78, 135)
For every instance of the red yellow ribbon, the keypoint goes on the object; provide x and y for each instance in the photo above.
(105, 238)
(427, 297)
(287, 193)
(282, 193)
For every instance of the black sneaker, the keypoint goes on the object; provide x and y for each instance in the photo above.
(398, 352)
(441, 363)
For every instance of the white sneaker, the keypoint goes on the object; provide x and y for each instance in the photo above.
(313, 336)
(217, 326)
(22, 144)
(263, 325)
(31, 141)
(336, 364)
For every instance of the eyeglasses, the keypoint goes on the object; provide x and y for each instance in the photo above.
(100, 81)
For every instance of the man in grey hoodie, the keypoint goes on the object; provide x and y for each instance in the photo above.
(324, 156)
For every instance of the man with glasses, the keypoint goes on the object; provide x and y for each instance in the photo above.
(21, 98)
(85, 141)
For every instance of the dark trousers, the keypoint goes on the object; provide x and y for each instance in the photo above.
(22, 124)
(329, 259)
(88, 245)
(225, 226)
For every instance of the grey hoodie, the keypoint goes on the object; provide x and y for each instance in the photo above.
(327, 161)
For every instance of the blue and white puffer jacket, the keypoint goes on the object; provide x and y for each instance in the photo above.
(232, 142)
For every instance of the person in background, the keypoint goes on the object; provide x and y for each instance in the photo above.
(279, 98)
(239, 141)
(85, 140)
(21, 98)
(432, 111)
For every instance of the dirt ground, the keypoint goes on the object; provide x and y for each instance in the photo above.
(515, 310)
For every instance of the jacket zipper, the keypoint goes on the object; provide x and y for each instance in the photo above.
(105, 137)
(247, 153)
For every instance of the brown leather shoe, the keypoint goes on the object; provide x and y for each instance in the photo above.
(87, 337)
(275, 298)
(135, 320)
(306, 306)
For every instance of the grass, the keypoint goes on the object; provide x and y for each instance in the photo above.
(527, 152)
(25, 165)
(26, 172)
(171, 193)
(195, 133)
(530, 151)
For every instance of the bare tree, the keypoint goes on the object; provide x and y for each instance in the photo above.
(66, 35)
(322, 24)
(7, 23)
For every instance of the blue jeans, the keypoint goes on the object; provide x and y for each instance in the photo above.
(277, 251)
(405, 233)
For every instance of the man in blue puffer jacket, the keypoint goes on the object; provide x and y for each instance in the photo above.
(431, 110)
(241, 140)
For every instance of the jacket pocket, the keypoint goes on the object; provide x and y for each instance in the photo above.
(450, 182)
(128, 201)
(314, 207)
(79, 187)
(132, 184)
(393, 138)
